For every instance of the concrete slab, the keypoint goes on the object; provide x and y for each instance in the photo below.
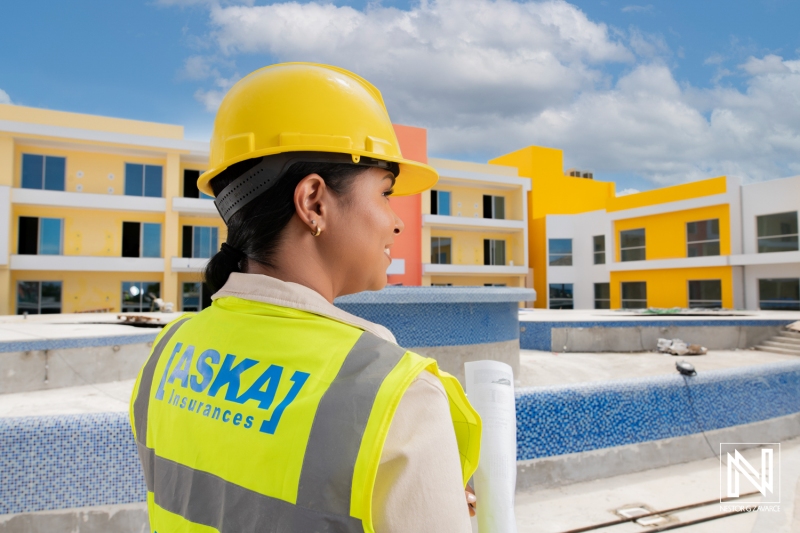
(583, 504)
(538, 369)
(600, 315)
(96, 398)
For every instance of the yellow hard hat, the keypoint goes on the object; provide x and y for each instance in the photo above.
(306, 107)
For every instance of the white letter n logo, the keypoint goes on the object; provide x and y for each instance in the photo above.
(738, 464)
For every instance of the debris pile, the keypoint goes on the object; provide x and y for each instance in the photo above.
(679, 347)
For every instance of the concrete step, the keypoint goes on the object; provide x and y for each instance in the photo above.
(790, 334)
(774, 349)
(787, 339)
(775, 342)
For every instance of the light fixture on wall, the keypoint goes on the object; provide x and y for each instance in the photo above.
(111, 176)
(79, 173)
(111, 190)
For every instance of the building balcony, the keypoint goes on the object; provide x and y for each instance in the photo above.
(429, 269)
(76, 263)
(80, 200)
(188, 264)
(194, 206)
(493, 225)
(775, 258)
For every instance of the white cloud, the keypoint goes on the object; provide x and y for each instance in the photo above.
(490, 76)
(4, 98)
(626, 192)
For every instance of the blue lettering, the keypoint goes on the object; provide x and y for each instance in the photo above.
(215, 414)
(248, 422)
(181, 371)
(160, 390)
(183, 402)
(269, 426)
(229, 375)
(205, 370)
(192, 404)
(176, 400)
(226, 416)
(237, 419)
(207, 410)
(271, 378)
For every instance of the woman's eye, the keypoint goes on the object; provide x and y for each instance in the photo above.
(389, 192)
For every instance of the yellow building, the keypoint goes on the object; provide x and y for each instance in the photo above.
(100, 214)
(474, 229)
(705, 244)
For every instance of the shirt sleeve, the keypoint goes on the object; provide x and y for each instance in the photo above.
(419, 483)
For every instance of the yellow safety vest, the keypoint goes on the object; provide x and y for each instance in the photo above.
(251, 417)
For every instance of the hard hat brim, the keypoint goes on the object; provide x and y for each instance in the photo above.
(414, 177)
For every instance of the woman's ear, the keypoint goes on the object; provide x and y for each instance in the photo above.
(310, 201)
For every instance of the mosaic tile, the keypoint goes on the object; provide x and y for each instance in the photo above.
(77, 342)
(417, 295)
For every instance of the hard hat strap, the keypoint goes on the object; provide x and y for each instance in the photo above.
(271, 169)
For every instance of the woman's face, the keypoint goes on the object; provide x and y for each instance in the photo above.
(361, 231)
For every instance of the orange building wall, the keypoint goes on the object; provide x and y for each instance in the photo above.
(408, 245)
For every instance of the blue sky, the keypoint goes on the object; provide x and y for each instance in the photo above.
(645, 94)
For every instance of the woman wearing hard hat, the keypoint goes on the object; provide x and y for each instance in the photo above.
(272, 410)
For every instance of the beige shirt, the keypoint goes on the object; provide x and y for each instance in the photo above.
(418, 487)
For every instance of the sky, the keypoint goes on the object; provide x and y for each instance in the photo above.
(645, 94)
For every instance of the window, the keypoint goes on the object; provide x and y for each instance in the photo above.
(440, 202)
(39, 236)
(195, 296)
(143, 180)
(43, 172)
(440, 250)
(783, 294)
(705, 294)
(631, 245)
(561, 296)
(494, 207)
(495, 285)
(702, 238)
(141, 239)
(634, 295)
(599, 250)
(139, 296)
(441, 284)
(199, 241)
(777, 233)
(190, 189)
(38, 297)
(560, 252)
(494, 252)
(602, 296)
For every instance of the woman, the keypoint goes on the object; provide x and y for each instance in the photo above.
(272, 410)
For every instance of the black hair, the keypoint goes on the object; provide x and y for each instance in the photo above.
(254, 231)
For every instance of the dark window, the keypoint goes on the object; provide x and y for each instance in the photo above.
(634, 295)
(632, 245)
(139, 296)
(141, 239)
(143, 180)
(196, 296)
(560, 252)
(602, 296)
(440, 202)
(38, 297)
(28, 238)
(43, 172)
(495, 285)
(190, 189)
(494, 252)
(705, 294)
(131, 237)
(440, 250)
(779, 294)
(494, 207)
(777, 233)
(41, 236)
(561, 296)
(199, 241)
(702, 238)
(599, 250)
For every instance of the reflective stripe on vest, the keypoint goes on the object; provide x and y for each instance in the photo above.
(325, 485)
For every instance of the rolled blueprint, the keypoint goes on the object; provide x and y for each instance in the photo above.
(490, 389)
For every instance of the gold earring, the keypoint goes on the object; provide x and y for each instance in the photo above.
(318, 230)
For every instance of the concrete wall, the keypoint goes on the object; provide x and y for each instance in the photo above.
(764, 198)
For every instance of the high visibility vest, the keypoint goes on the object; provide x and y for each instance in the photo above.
(251, 417)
